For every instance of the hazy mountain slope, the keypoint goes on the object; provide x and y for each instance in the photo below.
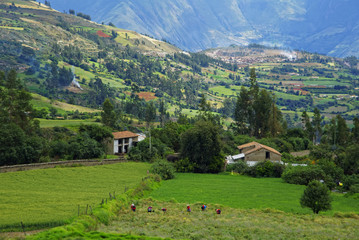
(326, 26)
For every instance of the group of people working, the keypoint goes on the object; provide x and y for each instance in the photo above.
(150, 209)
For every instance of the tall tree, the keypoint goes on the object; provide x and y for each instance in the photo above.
(355, 130)
(15, 105)
(342, 131)
(203, 148)
(262, 106)
(275, 116)
(150, 113)
(242, 111)
(162, 111)
(317, 128)
(108, 115)
(307, 126)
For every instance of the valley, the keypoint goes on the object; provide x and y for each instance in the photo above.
(69, 84)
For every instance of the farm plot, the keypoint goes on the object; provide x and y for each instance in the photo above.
(231, 224)
(244, 193)
(41, 198)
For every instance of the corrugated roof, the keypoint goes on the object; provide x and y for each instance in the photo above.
(124, 134)
(257, 146)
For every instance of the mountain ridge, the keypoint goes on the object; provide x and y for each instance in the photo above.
(328, 27)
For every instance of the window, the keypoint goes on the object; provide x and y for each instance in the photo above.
(267, 155)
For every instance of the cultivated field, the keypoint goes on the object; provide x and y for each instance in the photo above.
(231, 224)
(48, 197)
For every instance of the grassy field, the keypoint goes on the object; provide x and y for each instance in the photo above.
(45, 123)
(53, 195)
(39, 102)
(231, 224)
(244, 193)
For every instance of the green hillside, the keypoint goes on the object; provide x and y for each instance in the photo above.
(48, 47)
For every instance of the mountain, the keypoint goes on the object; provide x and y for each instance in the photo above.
(325, 26)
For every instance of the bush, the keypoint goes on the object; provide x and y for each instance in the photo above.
(164, 169)
(184, 165)
(265, 169)
(317, 197)
(238, 167)
(350, 180)
(303, 175)
(354, 188)
(142, 151)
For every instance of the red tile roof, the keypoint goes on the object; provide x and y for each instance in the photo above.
(124, 134)
(257, 146)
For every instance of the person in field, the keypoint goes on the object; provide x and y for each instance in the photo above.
(203, 207)
(218, 211)
(149, 209)
(164, 210)
(133, 207)
(188, 208)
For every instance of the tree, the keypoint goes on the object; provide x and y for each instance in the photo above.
(307, 126)
(108, 115)
(242, 111)
(355, 130)
(150, 113)
(342, 131)
(316, 197)
(316, 122)
(15, 105)
(162, 111)
(203, 147)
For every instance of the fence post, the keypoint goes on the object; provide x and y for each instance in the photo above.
(23, 228)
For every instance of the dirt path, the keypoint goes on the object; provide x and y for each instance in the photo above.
(19, 235)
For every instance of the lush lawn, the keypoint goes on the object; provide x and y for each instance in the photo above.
(243, 192)
(45, 123)
(53, 195)
(231, 224)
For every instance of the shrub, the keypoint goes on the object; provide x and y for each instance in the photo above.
(317, 197)
(332, 170)
(350, 180)
(238, 167)
(164, 169)
(265, 169)
(184, 165)
(354, 188)
(303, 175)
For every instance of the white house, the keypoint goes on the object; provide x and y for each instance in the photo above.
(124, 141)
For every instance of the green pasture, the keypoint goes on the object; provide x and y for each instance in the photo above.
(232, 223)
(244, 193)
(39, 197)
(223, 90)
(48, 123)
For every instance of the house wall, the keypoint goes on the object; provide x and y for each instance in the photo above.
(115, 146)
(121, 143)
(260, 155)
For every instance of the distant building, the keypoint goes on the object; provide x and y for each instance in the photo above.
(254, 152)
(124, 141)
